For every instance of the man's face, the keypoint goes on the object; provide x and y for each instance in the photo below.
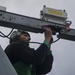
(24, 37)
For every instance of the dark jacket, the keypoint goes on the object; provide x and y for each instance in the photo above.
(41, 58)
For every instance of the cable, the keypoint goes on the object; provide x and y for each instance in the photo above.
(56, 40)
(36, 42)
(10, 32)
(42, 43)
(3, 35)
(6, 36)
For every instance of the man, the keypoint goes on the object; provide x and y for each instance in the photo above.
(26, 60)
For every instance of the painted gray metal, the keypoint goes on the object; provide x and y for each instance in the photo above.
(6, 67)
(17, 21)
(35, 25)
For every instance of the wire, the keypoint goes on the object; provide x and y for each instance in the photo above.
(42, 43)
(3, 35)
(6, 36)
(56, 40)
(36, 42)
(10, 32)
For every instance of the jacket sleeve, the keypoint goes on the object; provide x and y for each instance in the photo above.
(18, 52)
(32, 56)
(39, 57)
(46, 66)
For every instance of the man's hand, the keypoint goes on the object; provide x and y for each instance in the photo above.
(48, 34)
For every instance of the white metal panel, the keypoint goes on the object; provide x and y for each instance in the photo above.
(6, 67)
(53, 15)
(3, 8)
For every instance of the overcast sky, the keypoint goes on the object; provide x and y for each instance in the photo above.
(63, 50)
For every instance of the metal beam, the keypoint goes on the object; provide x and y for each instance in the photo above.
(31, 24)
(68, 35)
(16, 21)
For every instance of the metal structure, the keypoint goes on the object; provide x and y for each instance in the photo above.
(53, 18)
(6, 67)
